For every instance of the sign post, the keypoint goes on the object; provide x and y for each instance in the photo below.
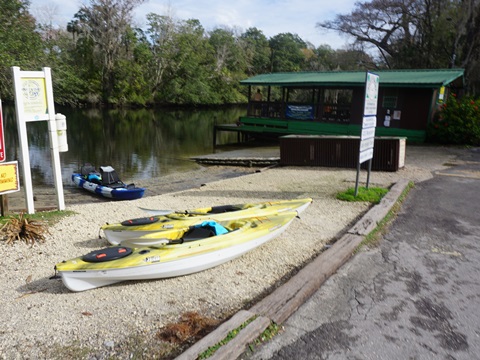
(8, 172)
(2, 136)
(367, 138)
(34, 102)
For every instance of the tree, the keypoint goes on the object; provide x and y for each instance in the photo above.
(191, 69)
(230, 64)
(106, 23)
(416, 33)
(20, 44)
(286, 53)
(161, 34)
(257, 51)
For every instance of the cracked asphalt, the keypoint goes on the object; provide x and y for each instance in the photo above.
(415, 296)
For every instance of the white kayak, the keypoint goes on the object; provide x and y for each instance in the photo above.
(173, 253)
(134, 228)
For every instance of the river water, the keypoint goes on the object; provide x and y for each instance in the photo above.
(138, 144)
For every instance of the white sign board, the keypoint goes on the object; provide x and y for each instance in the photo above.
(367, 139)
(371, 94)
(368, 133)
(366, 144)
(369, 123)
(34, 102)
(366, 155)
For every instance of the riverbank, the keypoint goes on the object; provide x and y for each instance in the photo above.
(42, 319)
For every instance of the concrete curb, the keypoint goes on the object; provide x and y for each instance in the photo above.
(284, 301)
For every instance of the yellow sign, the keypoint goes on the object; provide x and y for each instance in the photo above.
(441, 95)
(9, 177)
(34, 98)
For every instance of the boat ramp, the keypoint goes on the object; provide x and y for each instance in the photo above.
(250, 157)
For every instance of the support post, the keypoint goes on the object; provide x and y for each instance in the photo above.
(4, 205)
(52, 128)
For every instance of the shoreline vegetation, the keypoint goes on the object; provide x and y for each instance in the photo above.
(174, 61)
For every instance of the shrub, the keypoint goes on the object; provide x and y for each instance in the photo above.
(458, 122)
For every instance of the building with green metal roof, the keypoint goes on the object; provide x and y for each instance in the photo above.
(331, 102)
(388, 78)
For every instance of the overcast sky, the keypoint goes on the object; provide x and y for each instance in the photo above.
(272, 17)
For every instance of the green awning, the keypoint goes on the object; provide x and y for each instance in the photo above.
(388, 78)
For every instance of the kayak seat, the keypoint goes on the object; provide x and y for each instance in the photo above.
(197, 233)
(110, 178)
(140, 221)
(107, 254)
(223, 209)
(87, 169)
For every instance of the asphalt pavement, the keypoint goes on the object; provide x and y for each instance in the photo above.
(415, 296)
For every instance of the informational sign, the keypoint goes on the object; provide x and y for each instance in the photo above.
(371, 94)
(369, 123)
(34, 102)
(441, 95)
(366, 144)
(9, 177)
(366, 155)
(368, 133)
(299, 112)
(2, 137)
(34, 98)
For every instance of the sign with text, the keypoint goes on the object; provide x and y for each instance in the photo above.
(34, 99)
(368, 133)
(303, 112)
(9, 177)
(366, 155)
(367, 138)
(369, 122)
(371, 94)
(34, 102)
(366, 144)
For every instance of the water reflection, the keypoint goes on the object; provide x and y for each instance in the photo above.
(139, 144)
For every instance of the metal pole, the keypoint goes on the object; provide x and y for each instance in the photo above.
(369, 171)
(356, 181)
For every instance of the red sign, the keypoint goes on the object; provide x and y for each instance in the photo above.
(2, 138)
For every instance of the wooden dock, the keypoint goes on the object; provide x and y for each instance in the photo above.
(253, 157)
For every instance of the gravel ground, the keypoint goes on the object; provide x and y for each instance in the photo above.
(42, 319)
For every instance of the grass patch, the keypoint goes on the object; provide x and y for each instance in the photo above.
(73, 351)
(29, 228)
(268, 334)
(372, 194)
(50, 217)
(231, 335)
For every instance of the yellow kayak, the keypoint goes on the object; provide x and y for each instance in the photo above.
(174, 252)
(164, 220)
